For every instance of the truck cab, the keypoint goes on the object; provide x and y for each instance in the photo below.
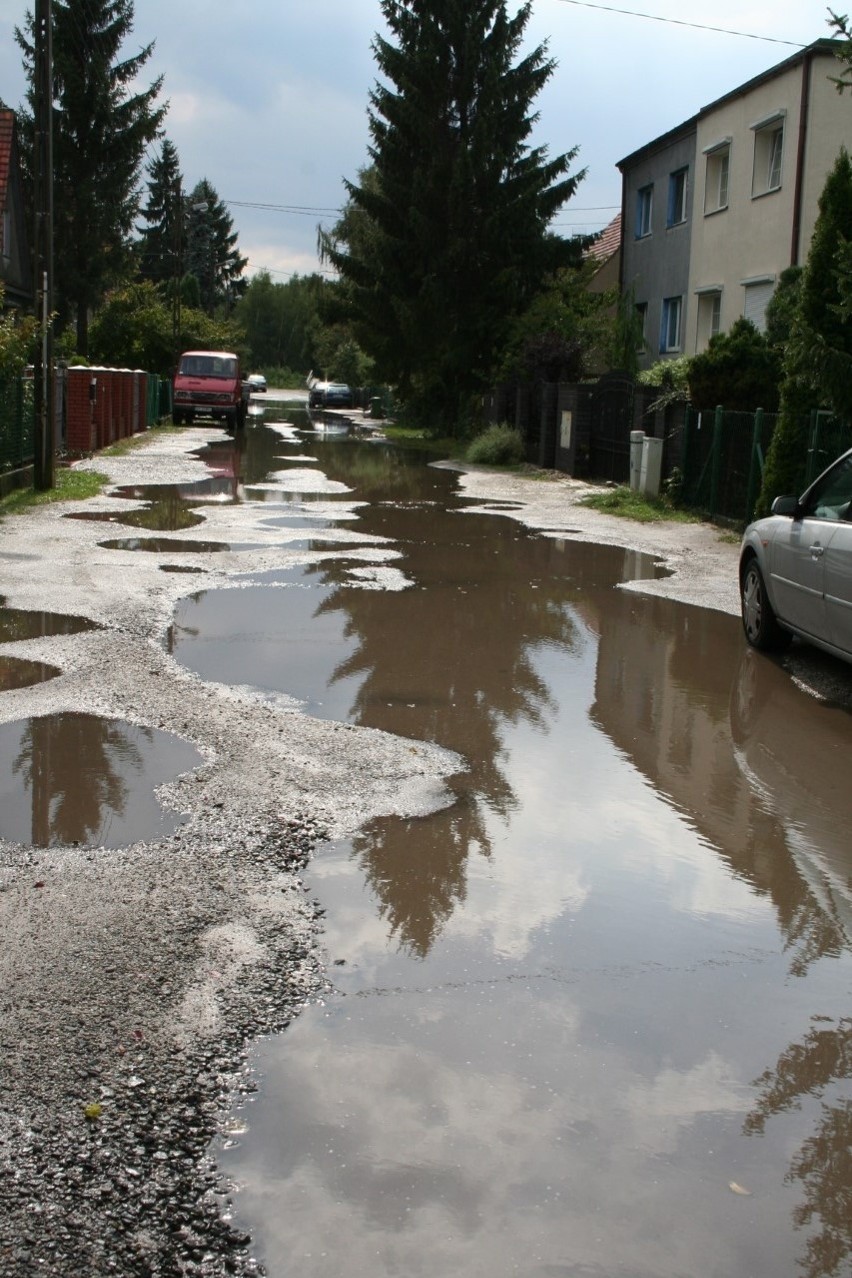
(208, 384)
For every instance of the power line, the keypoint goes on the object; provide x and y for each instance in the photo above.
(681, 22)
(302, 210)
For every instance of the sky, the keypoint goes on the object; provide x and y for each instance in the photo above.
(268, 99)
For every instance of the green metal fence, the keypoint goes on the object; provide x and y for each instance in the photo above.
(723, 458)
(827, 439)
(724, 454)
(16, 422)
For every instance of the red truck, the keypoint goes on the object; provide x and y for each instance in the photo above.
(209, 384)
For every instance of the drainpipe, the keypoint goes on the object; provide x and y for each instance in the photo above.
(804, 107)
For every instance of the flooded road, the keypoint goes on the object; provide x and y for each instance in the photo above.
(592, 1018)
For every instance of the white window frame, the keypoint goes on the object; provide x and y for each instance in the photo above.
(671, 325)
(717, 176)
(716, 314)
(768, 167)
(709, 318)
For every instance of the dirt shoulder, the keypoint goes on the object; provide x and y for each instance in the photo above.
(133, 978)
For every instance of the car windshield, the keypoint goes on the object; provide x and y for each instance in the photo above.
(208, 366)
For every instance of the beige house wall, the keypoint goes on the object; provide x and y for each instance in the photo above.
(829, 127)
(752, 239)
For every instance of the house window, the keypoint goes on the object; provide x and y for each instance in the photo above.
(758, 294)
(709, 316)
(715, 313)
(644, 199)
(5, 234)
(676, 212)
(641, 325)
(768, 155)
(670, 327)
(716, 180)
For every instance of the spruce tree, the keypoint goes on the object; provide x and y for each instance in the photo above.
(211, 252)
(159, 243)
(456, 201)
(102, 124)
(818, 362)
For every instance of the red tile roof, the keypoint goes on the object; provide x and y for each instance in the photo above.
(7, 124)
(608, 242)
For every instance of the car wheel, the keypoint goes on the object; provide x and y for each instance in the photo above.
(759, 621)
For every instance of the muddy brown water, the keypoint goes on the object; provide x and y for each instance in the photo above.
(18, 672)
(82, 779)
(591, 1018)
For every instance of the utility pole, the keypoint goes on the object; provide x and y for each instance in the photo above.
(43, 381)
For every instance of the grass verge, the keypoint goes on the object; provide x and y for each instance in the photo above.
(627, 504)
(71, 485)
(129, 445)
(422, 441)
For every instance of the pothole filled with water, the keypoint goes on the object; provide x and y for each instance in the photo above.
(81, 779)
(17, 672)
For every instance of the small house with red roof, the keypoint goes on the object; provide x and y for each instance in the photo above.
(15, 268)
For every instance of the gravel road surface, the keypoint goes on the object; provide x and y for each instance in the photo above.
(133, 978)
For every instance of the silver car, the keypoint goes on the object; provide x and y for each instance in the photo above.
(796, 567)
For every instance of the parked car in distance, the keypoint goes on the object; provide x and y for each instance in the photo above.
(338, 395)
(256, 383)
(329, 395)
(796, 567)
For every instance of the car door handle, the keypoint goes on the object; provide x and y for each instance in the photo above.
(817, 551)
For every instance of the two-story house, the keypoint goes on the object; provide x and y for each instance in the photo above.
(716, 209)
(15, 269)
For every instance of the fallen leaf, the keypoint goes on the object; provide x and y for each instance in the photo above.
(739, 1189)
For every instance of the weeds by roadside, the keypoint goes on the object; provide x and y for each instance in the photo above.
(124, 446)
(627, 504)
(71, 485)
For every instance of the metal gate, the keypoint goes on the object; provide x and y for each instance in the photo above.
(611, 424)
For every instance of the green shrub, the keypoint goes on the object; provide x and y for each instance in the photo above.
(497, 446)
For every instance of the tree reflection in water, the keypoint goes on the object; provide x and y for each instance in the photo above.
(72, 764)
(819, 1064)
(430, 669)
(87, 780)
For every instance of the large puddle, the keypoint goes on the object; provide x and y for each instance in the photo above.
(592, 1019)
(82, 779)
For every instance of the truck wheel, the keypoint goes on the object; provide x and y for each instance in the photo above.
(177, 418)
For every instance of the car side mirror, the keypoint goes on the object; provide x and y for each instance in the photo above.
(785, 506)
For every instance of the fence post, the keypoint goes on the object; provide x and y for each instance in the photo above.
(716, 468)
(688, 419)
(755, 464)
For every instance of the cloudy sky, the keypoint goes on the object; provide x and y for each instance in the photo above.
(268, 98)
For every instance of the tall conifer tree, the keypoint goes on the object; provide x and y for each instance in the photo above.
(212, 253)
(102, 126)
(818, 360)
(159, 243)
(459, 200)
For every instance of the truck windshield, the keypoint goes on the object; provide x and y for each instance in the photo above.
(207, 366)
